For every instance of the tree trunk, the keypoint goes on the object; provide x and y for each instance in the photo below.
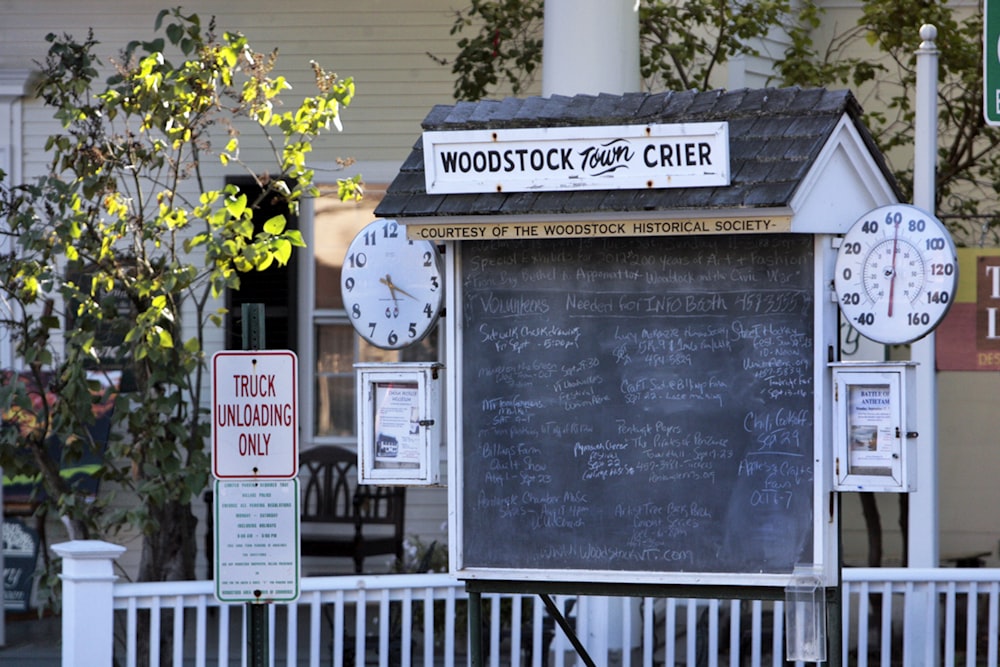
(904, 526)
(873, 522)
(168, 554)
(874, 525)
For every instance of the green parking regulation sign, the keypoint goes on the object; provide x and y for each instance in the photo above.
(991, 61)
(257, 555)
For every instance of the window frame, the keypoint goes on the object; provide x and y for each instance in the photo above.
(311, 318)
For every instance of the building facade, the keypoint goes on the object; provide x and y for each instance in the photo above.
(393, 49)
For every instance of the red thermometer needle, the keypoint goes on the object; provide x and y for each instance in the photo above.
(892, 278)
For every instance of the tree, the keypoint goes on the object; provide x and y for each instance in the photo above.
(682, 42)
(968, 162)
(123, 241)
(968, 167)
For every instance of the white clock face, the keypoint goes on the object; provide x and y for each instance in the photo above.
(392, 287)
(896, 274)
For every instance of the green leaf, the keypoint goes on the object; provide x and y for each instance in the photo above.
(236, 206)
(282, 251)
(275, 225)
(165, 340)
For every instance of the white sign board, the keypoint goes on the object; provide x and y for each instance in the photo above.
(255, 414)
(257, 541)
(680, 155)
(399, 422)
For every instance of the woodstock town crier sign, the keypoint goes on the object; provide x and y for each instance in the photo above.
(577, 158)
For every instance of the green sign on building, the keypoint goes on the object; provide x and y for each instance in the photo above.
(991, 61)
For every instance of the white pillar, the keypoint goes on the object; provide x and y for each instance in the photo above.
(921, 611)
(88, 632)
(590, 47)
(923, 540)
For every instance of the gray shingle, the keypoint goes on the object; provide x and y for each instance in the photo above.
(519, 202)
(458, 204)
(437, 115)
(530, 108)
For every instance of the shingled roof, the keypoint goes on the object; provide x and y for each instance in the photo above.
(775, 135)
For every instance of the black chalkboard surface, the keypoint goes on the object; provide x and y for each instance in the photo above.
(637, 404)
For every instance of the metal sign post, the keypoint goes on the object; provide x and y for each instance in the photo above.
(991, 61)
(255, 463)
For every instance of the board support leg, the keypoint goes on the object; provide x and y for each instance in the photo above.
(835, 626)
(476, 628)
(570, 631)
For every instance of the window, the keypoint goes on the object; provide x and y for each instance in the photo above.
(329, 348)
(335, 344)
(276, 287)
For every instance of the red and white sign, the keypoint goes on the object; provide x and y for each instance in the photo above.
(255, 414)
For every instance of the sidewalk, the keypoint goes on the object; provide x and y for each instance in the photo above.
(32, 641)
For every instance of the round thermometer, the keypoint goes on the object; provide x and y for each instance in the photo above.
(896, 274)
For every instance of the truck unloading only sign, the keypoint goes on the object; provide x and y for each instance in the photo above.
(254, 415)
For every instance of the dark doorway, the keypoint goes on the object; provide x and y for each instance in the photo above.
(276, 287)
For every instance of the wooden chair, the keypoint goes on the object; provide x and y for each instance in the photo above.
(370, 518)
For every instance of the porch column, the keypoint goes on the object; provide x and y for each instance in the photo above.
(590, 47)
(88, 632)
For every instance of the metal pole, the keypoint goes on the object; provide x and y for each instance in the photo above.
(257, 631)
(567, 629)
(257, 621)
(3, 620)
(253, 326)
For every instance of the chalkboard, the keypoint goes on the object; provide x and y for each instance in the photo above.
(637, 404)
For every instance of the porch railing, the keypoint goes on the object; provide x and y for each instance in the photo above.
(890, 616)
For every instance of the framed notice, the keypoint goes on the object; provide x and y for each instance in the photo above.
(400, 424)
(873, 412)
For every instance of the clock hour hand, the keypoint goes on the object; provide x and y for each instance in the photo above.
(387, 281)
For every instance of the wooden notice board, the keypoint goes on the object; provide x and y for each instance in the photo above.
(633, 406)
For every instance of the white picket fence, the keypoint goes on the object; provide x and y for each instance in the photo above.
(897, 616)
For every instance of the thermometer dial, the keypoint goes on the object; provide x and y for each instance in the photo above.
(896, 274)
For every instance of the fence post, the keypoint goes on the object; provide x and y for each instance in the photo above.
(87, 601)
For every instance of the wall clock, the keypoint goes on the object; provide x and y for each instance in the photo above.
(896, 274)
(392, 286)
